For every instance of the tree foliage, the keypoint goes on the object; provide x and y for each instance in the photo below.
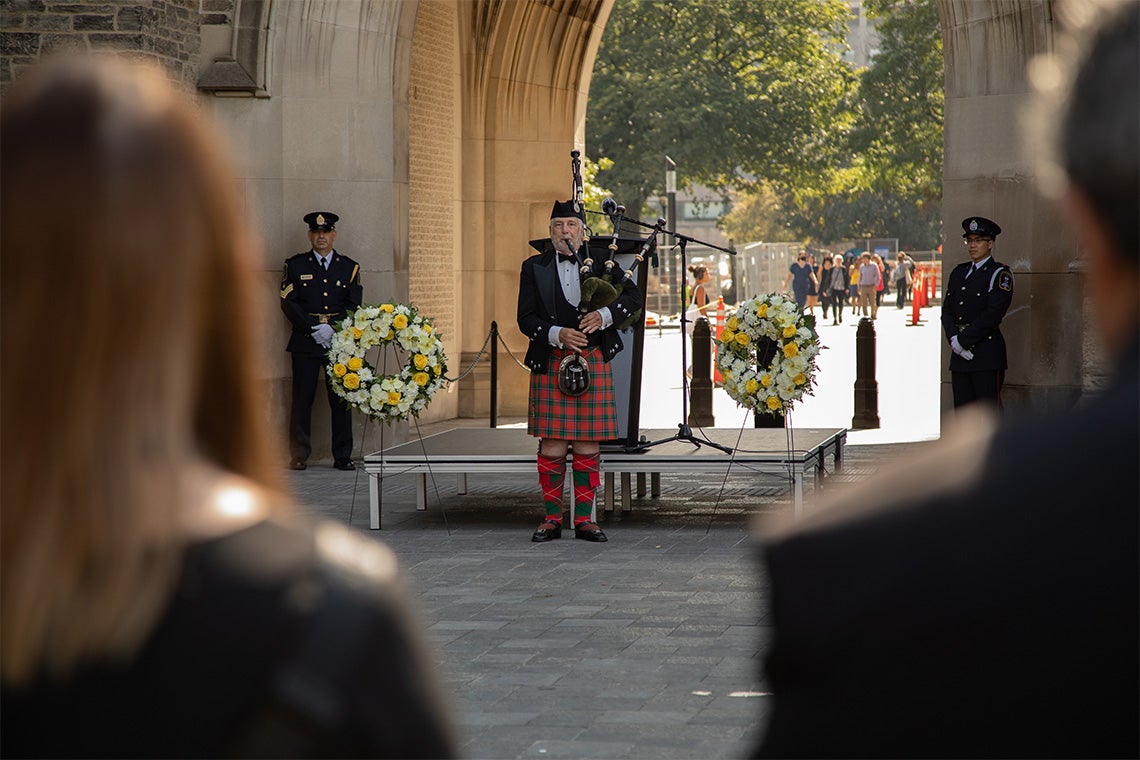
(893, 185)
(732, 90)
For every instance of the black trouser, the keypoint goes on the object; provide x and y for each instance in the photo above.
(983, 385)
(825, 301)
(307, 371)
(900, 286)
(837, 298)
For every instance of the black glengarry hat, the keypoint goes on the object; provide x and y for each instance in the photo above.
(979, 225)
(321, 220)
(565, 209)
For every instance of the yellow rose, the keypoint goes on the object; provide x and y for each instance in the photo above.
(420, 361)
(438, 370)
(791, 350)
(762, 310)
(421, 378)
(743, 339)
(428, 328)
(387, 308)
(773, 403)
(399, 321)
(339, 370)
(391, 335)
(357, 333)
(727, 336)
(765, 380)
(789, 331)
(800, 379)
(732, 323)
(751, 386)
(352, 381)
(394, 397)
(355, 363)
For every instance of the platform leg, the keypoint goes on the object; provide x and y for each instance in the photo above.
(609, 496)
(421, 492)
(626, 492)
(655, 484)
(798, 489)
(640, 485)
(374, 500)
(461, 484)
(839, 455)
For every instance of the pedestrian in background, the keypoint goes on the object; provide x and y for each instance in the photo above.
(902, 278)
(825, 295)
(802, 278)
(158, 599)
(870, 278)
(989, 606)
(838, 288)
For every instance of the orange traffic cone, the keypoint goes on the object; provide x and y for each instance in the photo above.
(716, 343)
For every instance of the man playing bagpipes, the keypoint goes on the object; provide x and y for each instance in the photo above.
(572, 340)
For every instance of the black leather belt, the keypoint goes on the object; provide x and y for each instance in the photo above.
(326, 318)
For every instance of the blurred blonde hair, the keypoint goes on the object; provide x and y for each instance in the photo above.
(129, 365)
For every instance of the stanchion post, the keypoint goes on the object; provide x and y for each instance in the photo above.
(701, 387)
(494, 374)
(866, 387)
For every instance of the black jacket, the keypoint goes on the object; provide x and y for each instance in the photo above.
(997, 617)
(972, 309)
(307, 289)
(538, 288)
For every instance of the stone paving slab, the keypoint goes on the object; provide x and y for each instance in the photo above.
(648, 646)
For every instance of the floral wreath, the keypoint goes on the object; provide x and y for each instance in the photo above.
(767, 354)
(387, 398)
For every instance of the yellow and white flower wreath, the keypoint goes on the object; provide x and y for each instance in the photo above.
(387, 398)
(767, 354)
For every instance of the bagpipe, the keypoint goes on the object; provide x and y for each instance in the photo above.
(599, 291)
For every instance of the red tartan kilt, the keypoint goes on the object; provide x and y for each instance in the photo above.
(589, 417)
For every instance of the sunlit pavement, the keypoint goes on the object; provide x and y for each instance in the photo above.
(907, 373)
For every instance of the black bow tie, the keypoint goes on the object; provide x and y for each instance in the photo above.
(567, 257)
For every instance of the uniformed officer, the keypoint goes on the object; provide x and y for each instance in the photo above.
(318, 289)
(977, 297)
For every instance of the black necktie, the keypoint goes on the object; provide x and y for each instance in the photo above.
(567, 257)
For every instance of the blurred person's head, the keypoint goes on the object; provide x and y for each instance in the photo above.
(1091, 93)
(826, 263)
(700, 273)
(129, 396)
(838, 260)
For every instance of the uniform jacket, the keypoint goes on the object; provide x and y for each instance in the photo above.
(995, 614)
(539, 286)
(972, 309)
(307, 289)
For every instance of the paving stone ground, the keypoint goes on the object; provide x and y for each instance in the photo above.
(648, 646)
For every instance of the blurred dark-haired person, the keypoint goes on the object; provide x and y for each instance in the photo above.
(158, 599)
(992, 611)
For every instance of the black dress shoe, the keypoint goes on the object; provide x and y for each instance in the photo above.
(589, 532)
(297, 464)
(547, 533)
(344, 464)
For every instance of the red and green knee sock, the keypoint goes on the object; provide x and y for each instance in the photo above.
(586, 481)
(551, 473)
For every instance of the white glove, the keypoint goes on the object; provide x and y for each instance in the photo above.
(956, 347)
(322, 334)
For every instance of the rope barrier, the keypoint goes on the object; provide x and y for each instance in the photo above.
(482, 353)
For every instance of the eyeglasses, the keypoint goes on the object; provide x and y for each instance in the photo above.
(968, 241)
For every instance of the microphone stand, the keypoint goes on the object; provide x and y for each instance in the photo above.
(684, 432)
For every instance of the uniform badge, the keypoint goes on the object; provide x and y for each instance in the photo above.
(1005, 281)
(306, 277)
(973, 225)
(320, 219)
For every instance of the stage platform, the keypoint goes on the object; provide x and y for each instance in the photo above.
(479, 451)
